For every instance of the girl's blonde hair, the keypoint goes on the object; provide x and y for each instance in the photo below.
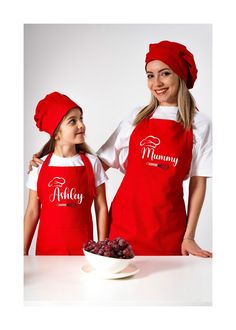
(50, 145)
(186, 107)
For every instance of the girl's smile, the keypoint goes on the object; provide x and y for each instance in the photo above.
(162, 82)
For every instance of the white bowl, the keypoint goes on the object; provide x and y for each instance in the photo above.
(106, 264)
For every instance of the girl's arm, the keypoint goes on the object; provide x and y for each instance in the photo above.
(101, 211)
(31, 219)
(197, 189)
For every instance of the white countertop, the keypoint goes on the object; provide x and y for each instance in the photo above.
(176, 280)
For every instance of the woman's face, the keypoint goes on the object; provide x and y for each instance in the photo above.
(162, 82)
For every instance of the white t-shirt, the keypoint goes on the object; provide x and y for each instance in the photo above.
(115, 150)
(99, 174)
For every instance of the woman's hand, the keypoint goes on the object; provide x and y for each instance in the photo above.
(35, 161)
(189, 246)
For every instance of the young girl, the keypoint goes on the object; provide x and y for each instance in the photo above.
(63, 187)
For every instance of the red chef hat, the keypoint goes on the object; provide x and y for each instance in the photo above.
(177, 57)
(50, 111)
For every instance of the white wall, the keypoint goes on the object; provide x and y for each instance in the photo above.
(101, 67)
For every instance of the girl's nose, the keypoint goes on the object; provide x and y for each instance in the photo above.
(81, 126)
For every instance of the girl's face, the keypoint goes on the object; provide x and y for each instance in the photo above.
(72, 129)
(162, 82)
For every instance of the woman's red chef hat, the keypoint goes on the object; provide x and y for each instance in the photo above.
(50, 111)
(177, 57)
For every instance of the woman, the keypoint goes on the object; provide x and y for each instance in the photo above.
(158, 148)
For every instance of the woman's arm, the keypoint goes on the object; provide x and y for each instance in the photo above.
(101, 211)
(35, 161)
(197, 189)
(104, 165)
(31, 219)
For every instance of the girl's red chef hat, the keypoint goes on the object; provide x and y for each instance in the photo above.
(50, 111)
(177, 57)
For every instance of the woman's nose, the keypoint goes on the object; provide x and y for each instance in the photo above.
(158, 81)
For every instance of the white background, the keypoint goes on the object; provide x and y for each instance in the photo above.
(101, 67)
(13, 15)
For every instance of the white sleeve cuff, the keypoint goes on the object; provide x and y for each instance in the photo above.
(201, 172)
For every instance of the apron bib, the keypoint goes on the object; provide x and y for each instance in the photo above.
(66, 195)
(148, 209)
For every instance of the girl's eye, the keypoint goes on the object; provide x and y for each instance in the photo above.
(72, 121)
(149, 76)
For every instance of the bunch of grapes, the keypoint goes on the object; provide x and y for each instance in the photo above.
(116, 248)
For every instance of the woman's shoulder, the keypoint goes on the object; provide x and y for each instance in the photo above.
(201, 118)
(201, 125)
(125, 127)
(131, 116)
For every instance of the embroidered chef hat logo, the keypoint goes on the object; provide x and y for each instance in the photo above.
(56, 182)
(150, 141)
(152, 157)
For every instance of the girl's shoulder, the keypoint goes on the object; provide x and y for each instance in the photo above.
(44, 157)
(91, 157)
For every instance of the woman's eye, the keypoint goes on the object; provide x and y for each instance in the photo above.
(149, 76)
(166, 73)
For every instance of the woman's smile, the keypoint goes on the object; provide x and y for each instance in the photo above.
(161, 91)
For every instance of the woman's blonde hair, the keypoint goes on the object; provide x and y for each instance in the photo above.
(50, 145)
(186, 107)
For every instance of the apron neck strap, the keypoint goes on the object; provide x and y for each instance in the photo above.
(90, 173)
(47, 160)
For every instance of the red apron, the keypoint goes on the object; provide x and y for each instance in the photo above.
(66, 195)
(148, 209)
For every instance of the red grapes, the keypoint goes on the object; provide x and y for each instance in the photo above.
(116, 248)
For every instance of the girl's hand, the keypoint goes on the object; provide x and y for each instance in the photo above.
(35, 161)
(189, 246)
